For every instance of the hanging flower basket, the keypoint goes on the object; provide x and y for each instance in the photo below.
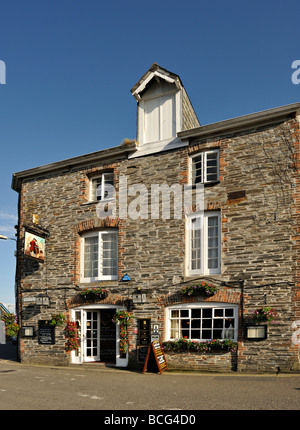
(203, 288)
(57, 319)
(123, 318)
(265, 315)
(11, 326)
(94, 293)
(71, 333)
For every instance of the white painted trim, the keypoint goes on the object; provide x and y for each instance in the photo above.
(94, 233)
(204, 165)
(120, 362)
(204, 257)
(143, 85)
(196, 305)
(155, 147)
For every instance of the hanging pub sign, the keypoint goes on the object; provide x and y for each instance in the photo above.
(34, 246)
(155, 359)
(46, 333)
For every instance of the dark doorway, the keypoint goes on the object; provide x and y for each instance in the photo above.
(107, 336)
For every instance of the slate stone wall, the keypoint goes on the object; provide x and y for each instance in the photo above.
(258, 200)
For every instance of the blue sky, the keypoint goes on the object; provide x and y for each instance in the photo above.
(70, 65)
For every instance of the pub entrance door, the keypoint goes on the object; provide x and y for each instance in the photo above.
(99, 336)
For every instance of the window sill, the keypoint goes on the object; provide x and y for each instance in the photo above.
(206, 184)
(95, 202)
(98, 283)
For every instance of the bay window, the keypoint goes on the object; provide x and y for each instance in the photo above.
(202, 321)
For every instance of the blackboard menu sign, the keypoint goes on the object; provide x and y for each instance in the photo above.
(46, 333)
(144, 331)
(156, 359)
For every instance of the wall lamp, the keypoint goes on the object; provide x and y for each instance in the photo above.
(138, 296)
(42, 300)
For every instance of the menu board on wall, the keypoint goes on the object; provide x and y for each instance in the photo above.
(46, 333)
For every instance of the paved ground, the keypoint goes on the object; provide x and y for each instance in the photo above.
(26, 387)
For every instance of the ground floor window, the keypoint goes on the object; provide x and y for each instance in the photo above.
(202, 321)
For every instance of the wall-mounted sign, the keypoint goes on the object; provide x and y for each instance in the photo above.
(34, 246)
(46, 333)
(144, 331)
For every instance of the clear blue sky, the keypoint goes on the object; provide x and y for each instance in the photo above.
(70, 65)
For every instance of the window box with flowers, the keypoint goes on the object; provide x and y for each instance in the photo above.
(203, 288)
(124, 319)
(201, 347)
(94, 293)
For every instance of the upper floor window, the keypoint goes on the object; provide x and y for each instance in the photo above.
(204, 244)
(99, 189)
(99, 256)
(205, 167)
(159, 118)
(158, 113)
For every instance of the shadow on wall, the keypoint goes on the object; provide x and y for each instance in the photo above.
(8, 351)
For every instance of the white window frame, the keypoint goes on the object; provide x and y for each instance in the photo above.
(92, 196)
(204, 305)
(98, 234)
(203, 156)
(202, 224)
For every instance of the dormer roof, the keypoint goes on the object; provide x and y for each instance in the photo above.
(157, 73)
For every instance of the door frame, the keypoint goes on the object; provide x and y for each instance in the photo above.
(77, 357)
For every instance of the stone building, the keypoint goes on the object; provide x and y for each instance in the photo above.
(192, 229)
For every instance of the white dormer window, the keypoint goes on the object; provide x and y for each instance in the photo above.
(159, 113)
(159, 118)
(163, 111)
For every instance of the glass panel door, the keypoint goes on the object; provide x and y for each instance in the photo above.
(92, 344)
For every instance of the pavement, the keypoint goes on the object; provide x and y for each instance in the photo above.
(93, 387)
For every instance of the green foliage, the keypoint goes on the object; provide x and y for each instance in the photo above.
(187, 345)
(203, 288)
(91, 293)
(57, 319)
(11, 326)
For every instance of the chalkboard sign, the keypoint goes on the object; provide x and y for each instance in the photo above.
(46, 333)
(156, 358)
